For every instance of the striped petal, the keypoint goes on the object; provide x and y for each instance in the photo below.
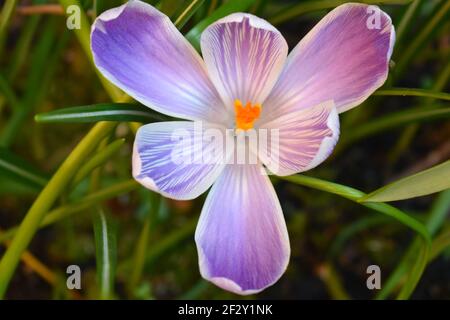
(179, 159)
(241, 237)
(244, 56)
(344, 58)
(304, 139)
(139, 49)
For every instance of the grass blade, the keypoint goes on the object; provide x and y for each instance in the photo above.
(310, 6)
(187, 13)
(97, 160)
(18, 169)
(103, 112)
(228, 7)
(105, 232)
(355, 195)
(412, 92)
(391, 121)
(46, 199)
(426, 182)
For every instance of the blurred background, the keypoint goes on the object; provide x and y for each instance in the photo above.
(44, 68)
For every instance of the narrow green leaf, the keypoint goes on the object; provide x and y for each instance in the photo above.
(412, 92)
(405, 21)
(46, 199)
(228, 7)
(105, 232)
(425, 32)
(8, 93)
(310, 6)
(187, 13)
(98, 159)
(391, 121)
(355, 195)
(5, 17)
(103, 112)
(82, 205)
(416, 272)
(83, 35)
(434, 221)
(425, 182)
(439, 244)
(21, 171)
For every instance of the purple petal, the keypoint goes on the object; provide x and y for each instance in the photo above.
(344, 58)
(139, 49)
(244, 56)
(241, 237)
(305, 139)
(178, 159)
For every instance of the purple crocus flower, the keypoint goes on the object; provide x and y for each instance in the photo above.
(245, 81)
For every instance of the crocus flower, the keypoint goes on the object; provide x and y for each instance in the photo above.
(246, 80)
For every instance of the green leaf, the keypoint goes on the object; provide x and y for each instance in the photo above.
(20, 171)
(103, 112)
(391, 121)
(83, 35)
(193, 36)
(412, 92)
(105, 232)
(98, 159)
(355, 195)
(187, 13)
(310, 6)
(79, 206)
(409, 260)
(416, 272)
(439, 244)
(423, 183)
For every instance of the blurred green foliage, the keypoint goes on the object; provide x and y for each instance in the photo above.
(132, 243)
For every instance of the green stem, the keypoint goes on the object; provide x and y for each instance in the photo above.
(45, 200)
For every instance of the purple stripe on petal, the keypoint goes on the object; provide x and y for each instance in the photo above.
(306, 138)
(241, 236)
(178, 159)
(344, 58)
(139, 49)
(244, 56)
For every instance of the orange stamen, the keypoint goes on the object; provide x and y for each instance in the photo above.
(246, 115)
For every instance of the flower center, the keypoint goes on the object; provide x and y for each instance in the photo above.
(246, 115)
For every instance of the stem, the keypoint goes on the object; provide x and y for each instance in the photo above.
(45, 200)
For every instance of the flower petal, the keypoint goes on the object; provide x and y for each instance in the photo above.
(241, 236)
(344, 58)
(179, 159)
(244, 56)
(305, 139)
(139, 49)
